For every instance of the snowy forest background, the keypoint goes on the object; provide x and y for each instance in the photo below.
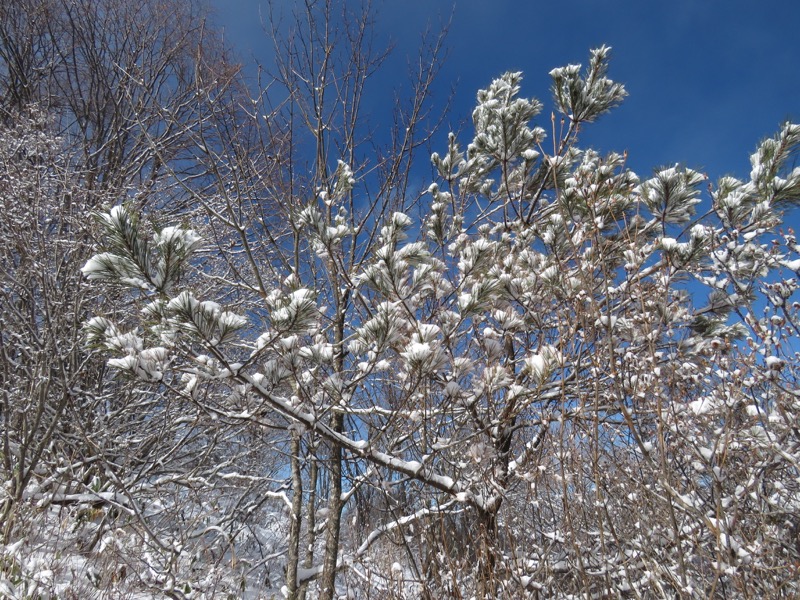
(245, 353)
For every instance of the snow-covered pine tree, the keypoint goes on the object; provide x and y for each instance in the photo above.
(524, 376)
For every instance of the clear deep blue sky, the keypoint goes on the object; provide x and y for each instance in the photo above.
(707, 79)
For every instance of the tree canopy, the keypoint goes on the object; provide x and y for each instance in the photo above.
(244, 353)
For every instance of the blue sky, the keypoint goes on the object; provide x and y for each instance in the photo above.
(707, 78)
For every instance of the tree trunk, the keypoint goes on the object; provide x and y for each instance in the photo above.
(328, 583)
(296, 520)
(311, 517)
(487, 553)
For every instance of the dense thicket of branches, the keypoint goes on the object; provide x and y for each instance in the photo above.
(241, 354)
